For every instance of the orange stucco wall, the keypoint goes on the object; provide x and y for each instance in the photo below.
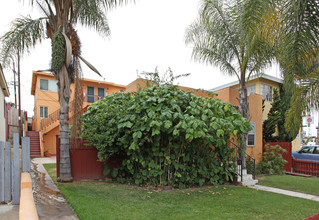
(255, 110)
(142, 83)
(258, 83)
(50, 100)
(137, 85)
(42, 98)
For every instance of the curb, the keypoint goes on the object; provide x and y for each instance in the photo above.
(27, 210)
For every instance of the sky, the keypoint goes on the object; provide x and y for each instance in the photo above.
(144, 35)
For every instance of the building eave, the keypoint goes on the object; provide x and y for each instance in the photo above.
(264, 76)
(3, 83)
(34, 79)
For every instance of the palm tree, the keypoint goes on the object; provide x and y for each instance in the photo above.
(58, 23)
(298, 58)
(230, 34)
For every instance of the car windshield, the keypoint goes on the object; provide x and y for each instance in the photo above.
(307, 149)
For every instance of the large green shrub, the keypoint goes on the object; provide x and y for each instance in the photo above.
(165, 136)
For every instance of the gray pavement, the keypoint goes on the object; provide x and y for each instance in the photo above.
(286, 192)
(9, 212)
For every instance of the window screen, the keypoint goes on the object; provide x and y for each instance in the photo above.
(44, 84)
(266, 92)
(90, 94)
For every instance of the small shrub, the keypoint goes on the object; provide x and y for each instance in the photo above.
(272, 161)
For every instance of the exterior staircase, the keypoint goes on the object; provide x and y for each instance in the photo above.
(245, 176)
(246, 179)
(34, 143)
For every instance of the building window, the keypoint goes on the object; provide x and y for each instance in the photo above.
(90, 92)
(251, 135)
(48, 85)
(100, 93)
(44, 112)
(251, 90)
(266, 92)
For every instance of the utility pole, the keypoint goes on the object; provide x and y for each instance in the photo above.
(14, 85)
(19, 90)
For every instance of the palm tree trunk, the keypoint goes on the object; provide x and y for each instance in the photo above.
(64, 99)
(244, 111)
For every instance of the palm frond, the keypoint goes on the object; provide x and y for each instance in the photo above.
(90, 66)
(301, 28)
(90, 14)
(304, 99)
(221, 22)
(24, 34)
(219, 37)
(110, 4)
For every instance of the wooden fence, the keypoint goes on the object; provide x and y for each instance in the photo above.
(10, 168)
(305, 167)
(84, 162)
(286, 155)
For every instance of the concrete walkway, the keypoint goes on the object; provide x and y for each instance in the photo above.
(9, 212)
(286, 192)
(49, 201)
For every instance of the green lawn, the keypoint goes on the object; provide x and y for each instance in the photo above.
(309, 185)
(101, 200)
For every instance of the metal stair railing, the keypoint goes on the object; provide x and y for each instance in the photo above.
(250, 162)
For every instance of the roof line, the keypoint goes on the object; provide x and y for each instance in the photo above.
(265, 76)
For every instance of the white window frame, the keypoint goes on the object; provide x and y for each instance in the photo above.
(251, 133)
(52, 85)
(42, 111)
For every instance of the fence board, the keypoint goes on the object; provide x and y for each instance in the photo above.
(16, 170)
(1, 172)
(286, 155)
(26, 167)
(7, 172)
(306, 167)
(13, 116)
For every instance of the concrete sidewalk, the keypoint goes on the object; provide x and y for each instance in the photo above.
(49, 201)
(286, 192)
(9, 212)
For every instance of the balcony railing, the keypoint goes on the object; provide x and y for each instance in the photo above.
(55, 116)
(92, 99)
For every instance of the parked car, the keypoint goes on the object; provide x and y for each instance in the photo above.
(307, 153)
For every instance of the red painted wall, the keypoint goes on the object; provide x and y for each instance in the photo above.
(286, 156)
